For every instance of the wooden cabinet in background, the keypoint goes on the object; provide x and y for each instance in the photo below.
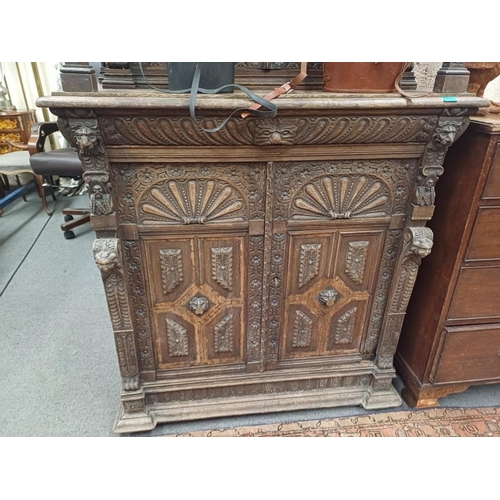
(451, 335)
(15, 126)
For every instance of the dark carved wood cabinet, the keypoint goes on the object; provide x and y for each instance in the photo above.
(264, 267)
(451, 335)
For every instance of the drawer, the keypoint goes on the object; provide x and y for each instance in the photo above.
(485, 239)
(469, 354)
(492, 188)
(477, 294)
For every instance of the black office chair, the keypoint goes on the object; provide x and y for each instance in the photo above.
(62, 162)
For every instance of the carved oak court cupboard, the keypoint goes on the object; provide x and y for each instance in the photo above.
(264, 267)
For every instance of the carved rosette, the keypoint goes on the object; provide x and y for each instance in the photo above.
(417, 244)
(275, 280)
(255, 272)
(107, 255)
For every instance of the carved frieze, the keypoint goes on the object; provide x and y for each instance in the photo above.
(177, 338)
(356, 260)
(309, 262)
(302, 330)
(235, 391)
(222, 267)
(171, 131)
(171, 268)
(224, 334)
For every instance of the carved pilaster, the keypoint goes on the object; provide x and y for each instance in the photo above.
(417, 243)
(107, 255)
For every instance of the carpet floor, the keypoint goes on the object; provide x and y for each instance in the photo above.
(441, 422)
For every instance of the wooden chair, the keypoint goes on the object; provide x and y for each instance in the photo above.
(62, 162)
(15, 163)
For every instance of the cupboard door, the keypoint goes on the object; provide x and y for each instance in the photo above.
(198, 298)
(329, 285)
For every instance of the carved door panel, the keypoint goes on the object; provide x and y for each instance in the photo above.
(198, 298)
(329, 285)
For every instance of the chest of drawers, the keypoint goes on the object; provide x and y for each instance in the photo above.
(451, 336)
(15, 126)
(265, 267)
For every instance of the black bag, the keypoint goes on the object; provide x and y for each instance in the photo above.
(213, 77)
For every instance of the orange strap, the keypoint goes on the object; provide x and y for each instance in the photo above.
(284, 89)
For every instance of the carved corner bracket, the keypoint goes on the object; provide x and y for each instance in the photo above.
(450, 127)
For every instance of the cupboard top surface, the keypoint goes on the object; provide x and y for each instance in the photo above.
(149, 99)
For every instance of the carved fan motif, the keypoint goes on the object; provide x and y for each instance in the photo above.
(192, 202)
(342, 198)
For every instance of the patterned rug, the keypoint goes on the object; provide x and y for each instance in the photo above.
(439, 422)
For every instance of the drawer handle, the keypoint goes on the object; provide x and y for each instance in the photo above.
(328, 297)
(198, 304)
